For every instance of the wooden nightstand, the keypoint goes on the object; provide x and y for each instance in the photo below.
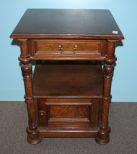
(68, 93)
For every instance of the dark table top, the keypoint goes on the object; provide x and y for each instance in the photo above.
(67, 23)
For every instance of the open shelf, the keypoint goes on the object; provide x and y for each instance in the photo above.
(64, 81)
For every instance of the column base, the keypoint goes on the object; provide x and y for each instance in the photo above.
(103, 136)
(33, 137)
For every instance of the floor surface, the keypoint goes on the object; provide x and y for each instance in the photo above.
(13, 123)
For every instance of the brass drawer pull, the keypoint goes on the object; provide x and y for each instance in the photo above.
(61, 49)
(75, 47)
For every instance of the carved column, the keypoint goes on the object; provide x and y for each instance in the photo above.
(26, 67)
(108, 68)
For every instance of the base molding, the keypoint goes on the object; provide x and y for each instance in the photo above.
(21, 101)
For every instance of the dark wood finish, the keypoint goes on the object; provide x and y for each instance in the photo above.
(70, 95)
(60, 79)
(69, 113)
(66, 49)
(70, 23)
(26, 68)
(67, 133)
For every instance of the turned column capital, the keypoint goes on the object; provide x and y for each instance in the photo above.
(110, 59)
(110, 53)
(24, 56)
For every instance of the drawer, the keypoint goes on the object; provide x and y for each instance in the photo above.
(54, 49)
(68, 112)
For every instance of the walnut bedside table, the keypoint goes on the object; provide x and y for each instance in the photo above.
(73, 53)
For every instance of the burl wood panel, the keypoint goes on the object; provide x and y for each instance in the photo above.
(69, 113)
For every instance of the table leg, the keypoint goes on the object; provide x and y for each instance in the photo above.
(26, 67)
(108, 68)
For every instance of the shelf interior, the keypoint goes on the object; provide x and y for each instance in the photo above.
(67, 80)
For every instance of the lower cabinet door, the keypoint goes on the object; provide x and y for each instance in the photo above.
(68, 113)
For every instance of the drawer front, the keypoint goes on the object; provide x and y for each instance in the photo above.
(54, 49)
(76, 113)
